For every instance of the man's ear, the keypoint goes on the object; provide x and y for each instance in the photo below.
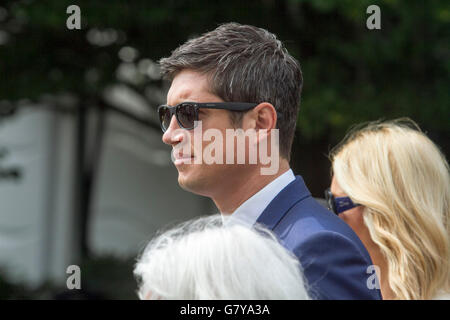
(263, 116)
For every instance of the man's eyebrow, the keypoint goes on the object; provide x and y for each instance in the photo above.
(178, 101)
(182, 97)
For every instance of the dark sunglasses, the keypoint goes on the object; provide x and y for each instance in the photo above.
(338, 204)
(186, 113)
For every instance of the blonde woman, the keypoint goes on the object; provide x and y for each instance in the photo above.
(391, 184)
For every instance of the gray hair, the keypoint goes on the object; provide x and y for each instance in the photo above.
(204, 259)
(245, 64)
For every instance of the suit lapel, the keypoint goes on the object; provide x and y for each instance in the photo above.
(280, 205)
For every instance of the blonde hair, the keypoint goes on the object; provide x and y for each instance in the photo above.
(403, 180)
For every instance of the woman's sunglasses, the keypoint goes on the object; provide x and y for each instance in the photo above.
(338, 204)
(186, 113)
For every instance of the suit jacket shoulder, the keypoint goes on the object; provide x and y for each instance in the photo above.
(334, 260)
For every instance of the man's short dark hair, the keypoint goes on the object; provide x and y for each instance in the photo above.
(245, 64)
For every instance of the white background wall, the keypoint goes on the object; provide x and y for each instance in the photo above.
(36, 209)
(136, 193)
(137, 190)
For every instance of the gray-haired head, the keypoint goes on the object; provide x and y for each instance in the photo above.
(245, 64)
(204, 259)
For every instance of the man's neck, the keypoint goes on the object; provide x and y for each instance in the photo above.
(228, 202)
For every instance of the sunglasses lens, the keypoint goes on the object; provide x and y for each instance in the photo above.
(164, 118)
(329, 199)
(186, 115)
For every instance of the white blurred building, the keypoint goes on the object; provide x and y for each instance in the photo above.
(135, 193)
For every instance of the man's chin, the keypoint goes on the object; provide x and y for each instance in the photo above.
(191, 183)
(186, 182)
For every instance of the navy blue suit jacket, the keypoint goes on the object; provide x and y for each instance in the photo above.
(333, 258)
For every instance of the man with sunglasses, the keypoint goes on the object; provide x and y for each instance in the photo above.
(242, 77)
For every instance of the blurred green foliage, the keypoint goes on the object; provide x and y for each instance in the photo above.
(104, 277)
(351, 74)
(355, 74)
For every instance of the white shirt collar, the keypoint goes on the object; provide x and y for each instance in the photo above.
(249, 212)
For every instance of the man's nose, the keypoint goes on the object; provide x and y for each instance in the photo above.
(172, 136)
